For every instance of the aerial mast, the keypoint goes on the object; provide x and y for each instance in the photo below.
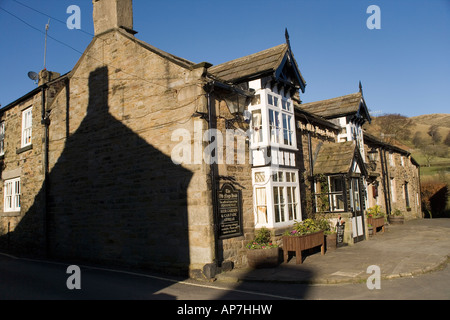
(45, 46)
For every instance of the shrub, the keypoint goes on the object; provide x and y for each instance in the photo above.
(434, 197)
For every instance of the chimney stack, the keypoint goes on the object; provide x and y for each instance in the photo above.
(112, 14)
(46, 76)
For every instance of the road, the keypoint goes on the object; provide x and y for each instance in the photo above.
(28, 279)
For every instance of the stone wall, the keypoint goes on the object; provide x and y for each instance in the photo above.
(115, 195)
(396, 173)
(26, 164)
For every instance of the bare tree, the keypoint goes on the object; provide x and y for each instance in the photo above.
(447, 140)
(433, 132)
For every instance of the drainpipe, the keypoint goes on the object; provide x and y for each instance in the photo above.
(386, 182)
(46, 122)
(213, 176)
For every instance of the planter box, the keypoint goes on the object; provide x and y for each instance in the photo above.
(330, 241)
(300, 243)
(376, 223)
(396, 219)
(263, 258)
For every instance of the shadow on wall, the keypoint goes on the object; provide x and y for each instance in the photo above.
(112, 197)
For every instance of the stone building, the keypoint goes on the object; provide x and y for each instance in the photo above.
(394, 179)
(137, 157)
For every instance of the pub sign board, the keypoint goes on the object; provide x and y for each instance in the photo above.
(230, 212)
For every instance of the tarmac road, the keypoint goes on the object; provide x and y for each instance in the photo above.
(410, 258)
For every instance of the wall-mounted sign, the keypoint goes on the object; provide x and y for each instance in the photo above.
(230, 212)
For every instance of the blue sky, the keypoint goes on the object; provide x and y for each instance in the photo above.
(404, 67)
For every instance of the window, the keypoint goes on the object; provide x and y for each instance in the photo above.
(406, 195)
(393, 190)
(26, 127)
(12, 195)
(2, 138)
(257, 126)
(261, 205)
(285, 199)
(337, 193)
(391, 159)
(272, 100)
(256, 100)
(274, 124)
(330, 198)
(287, 130)
(286, 104)
(276, 197)
(281, 119)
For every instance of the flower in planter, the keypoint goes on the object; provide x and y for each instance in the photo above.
(375, 212)
(262, 240)
(302, 228)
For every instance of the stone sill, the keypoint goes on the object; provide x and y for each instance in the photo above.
(26, 148)
(10, 214)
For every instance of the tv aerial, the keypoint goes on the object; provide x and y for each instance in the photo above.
(33, 76)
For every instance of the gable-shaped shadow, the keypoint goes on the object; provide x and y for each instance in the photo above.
(111, 197)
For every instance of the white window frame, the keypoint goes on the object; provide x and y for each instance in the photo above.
(282, 113)
(391, 159)
(393, 191)
(265, 206)
(277, 120)
(11, 195)
(2, 138)
(27, 126)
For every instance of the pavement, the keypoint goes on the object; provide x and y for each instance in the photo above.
(414, 248)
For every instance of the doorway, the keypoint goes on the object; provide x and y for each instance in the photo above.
(357, 209)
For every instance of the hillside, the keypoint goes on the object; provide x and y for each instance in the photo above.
(411, 134)
(439, 119)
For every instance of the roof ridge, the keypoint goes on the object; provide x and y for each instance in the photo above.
(331, 99)
(249, 56)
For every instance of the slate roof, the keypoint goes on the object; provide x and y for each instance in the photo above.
(336, 107)
(335, 158)
(255, 66)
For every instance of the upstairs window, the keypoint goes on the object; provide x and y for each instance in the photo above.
(27, 124)
(2, 138)
(391, 159)
(257, 126)
(275, 128)
(12, 195)
(281, 123)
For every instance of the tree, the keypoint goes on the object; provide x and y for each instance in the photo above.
(418, 140)
(433, 132)
(447, 140)
(393, 127)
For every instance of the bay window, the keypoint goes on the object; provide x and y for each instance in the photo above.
(276, 194)
(272, 120)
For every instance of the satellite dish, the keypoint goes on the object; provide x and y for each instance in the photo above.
(33, 75)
